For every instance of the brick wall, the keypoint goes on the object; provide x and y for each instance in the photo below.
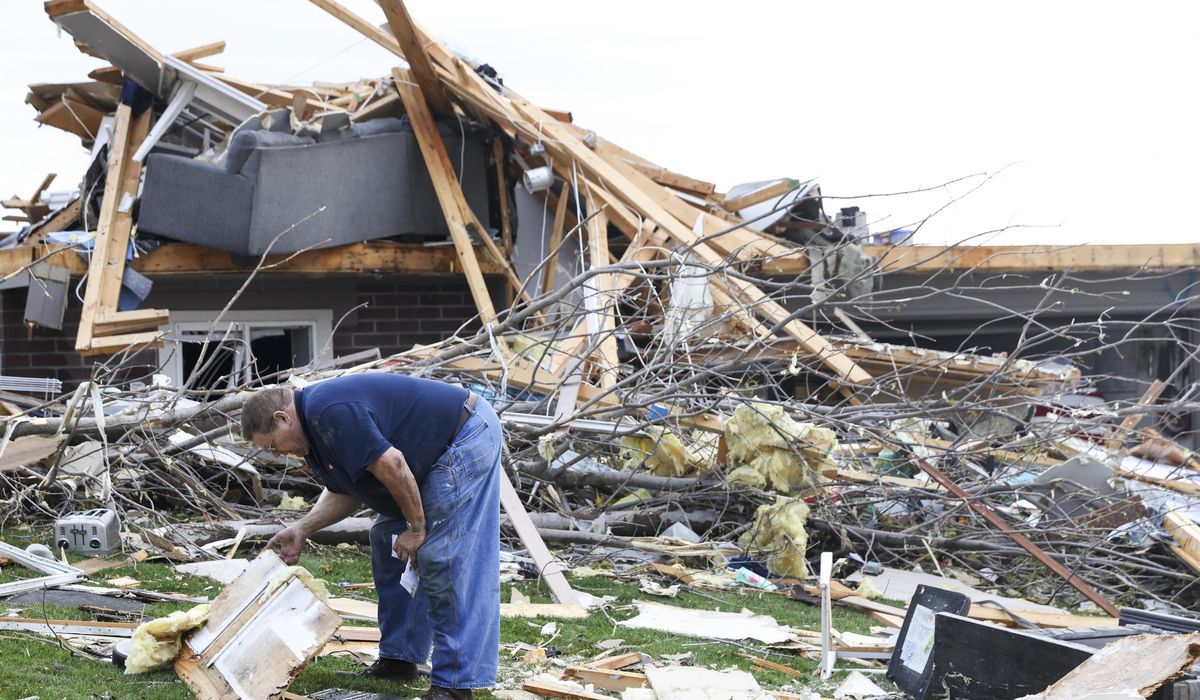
(39, 352)
(398, 314)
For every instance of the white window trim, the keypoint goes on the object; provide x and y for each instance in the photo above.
(320, 320)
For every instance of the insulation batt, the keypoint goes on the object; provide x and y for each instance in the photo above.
(156, 643)
(779, 534)
(663, 453)
(769, 450)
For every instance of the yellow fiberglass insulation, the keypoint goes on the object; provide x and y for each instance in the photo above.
(316, 585)
(767, 449)
(780, 537)
(662, 452)
(156, 643)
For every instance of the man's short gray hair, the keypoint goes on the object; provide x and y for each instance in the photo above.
(259, 410)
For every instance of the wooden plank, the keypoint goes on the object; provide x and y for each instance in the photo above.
(550, 267)
(361, 25)
(1187, 538)
(502, 187)
(109, 323)
(778, 189)
(674, 180)
(535, 610)
(110, 344)
(548, 567)
(605, 679)
(603, 302)
(620, 661)
(202, 51)
(120, 149)
(550, 689)
(1130, 421)
(73, 117)
(920, 259)
(445, 185)
(420, 69)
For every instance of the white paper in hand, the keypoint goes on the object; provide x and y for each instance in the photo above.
(409, 579)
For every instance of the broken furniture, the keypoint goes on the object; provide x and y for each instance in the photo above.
(278, 192)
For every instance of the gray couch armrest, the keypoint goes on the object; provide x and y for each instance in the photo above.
(196, 202)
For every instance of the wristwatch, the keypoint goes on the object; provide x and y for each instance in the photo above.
(419, 529)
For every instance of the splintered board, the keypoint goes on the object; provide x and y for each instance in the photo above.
(258, 637)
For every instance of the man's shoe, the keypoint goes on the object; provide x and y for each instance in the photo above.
(392, 670)
(437, 692)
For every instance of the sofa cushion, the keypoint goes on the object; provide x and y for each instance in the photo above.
(243, 144)
(383, 125)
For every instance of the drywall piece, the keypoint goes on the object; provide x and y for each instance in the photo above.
(221, 570)
(693, 683)
(979, 661)
(56, 573)
(857, 685)
(263, 629)
(1140, 664)
(708, 624)
(911, 666)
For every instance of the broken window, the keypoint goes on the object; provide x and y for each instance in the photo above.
(251, 347)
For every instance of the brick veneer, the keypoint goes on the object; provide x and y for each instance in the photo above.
(398, 313)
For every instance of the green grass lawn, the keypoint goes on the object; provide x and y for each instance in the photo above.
(34, 665)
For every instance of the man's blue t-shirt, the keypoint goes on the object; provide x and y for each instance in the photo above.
(351, 421)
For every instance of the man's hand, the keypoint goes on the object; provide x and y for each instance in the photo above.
(407, 544)
(288, 542)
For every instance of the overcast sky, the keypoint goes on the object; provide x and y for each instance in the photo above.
(1084, 114)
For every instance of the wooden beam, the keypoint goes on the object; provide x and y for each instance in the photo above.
(185, 259)
(361, 25)
(445, 185)
(672, 179)
(502, 188)
(108, 323)
(550, 269)
(105, 262)
(108, 74)
(548, 567)
(420, 69)
(603, 302)
(1130, 422)
(111, 344)
(925, 259)
(203, 51)
(760, 195)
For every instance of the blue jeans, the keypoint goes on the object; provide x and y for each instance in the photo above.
(456, 609)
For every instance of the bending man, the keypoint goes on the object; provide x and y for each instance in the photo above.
(425, 456)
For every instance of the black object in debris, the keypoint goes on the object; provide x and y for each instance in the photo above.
(120, 652)
(1162, 621)
(911, 665)
(974, 660)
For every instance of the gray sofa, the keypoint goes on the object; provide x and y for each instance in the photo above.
(370, 178)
